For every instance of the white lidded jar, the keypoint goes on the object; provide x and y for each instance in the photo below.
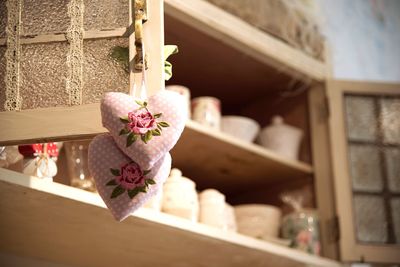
(213, 208)
(180, 196)
(281, 138)
(185, 92)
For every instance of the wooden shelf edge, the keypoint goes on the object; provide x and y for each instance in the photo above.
(233, 31)
(253, 148)
(288, 256)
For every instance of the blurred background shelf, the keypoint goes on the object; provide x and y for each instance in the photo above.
(218, 160)
(79, 231)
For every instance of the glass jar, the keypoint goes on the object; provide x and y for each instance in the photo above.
(302, 228)
(77, 161)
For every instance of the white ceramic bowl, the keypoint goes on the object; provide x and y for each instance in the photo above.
(243, 128)
(257, 220)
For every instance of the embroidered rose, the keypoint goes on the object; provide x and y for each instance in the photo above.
(141, 123)
(129, 177)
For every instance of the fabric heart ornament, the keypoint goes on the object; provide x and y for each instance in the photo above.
(144, 130)
(123, 184)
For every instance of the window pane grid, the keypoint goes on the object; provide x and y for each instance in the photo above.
(373, 151)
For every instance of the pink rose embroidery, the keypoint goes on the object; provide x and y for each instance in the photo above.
(141, 123)
(131, 178)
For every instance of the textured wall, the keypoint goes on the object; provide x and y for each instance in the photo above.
(364, 37)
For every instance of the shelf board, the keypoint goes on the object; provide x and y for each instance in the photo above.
(235, 32)
(62, 224)
(215, 159)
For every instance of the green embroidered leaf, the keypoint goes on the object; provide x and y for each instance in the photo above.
(124, 119)
(148, 136)
(142, 189)
(146, 172)
(112, 182)
(144, 104)
(140, 103)
(158, 115)
(150, 181)
(117, 191)
(115, 172)
(124, 131)
(156, 132)
(159, 128)
(133, 192)
(131, 139)
(163, 124)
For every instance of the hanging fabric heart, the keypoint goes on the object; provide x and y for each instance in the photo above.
(144, 130)
(123, 184)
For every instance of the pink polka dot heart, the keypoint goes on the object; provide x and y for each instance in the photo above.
(123, 184)
(144, 130)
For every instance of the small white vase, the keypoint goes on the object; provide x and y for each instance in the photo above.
(180, 197)
(281, 138)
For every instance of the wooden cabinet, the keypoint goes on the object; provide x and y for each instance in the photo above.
(365, 138)
(253, 74)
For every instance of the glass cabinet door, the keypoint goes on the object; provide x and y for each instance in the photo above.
(365, 139)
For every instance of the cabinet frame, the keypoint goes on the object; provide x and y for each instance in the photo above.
(350, 249)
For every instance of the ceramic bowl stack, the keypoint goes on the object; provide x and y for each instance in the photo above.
(257, 220)
(240, 127)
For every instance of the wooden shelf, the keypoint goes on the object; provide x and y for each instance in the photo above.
(62, 224)
(234, 32)
(218, 160)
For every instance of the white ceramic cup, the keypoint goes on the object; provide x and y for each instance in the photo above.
(257, 220)
(240, 127)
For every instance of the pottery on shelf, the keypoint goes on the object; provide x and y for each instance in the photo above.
(281, 138)
(180, 196)
(206, 110)
(257, 220)
(185, 92)
(213, 208)
(240, 127)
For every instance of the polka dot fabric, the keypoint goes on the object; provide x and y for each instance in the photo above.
(103, 155)
(170, 104)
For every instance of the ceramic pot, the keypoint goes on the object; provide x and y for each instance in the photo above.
(185, 92)
(213, 208)
(240, 127)
(259, 221)
(281, 138)
(302, 228)
(206, 110)
(180, 197)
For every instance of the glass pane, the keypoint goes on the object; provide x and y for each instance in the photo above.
(390, 114)
(365, 167)
(101, 72)
(361, 118)
(392, 157)
(371, 224)
(2, 77)
(44, 16)
(106, 14)
(395, 203)
(3, 18)
(43, 74)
